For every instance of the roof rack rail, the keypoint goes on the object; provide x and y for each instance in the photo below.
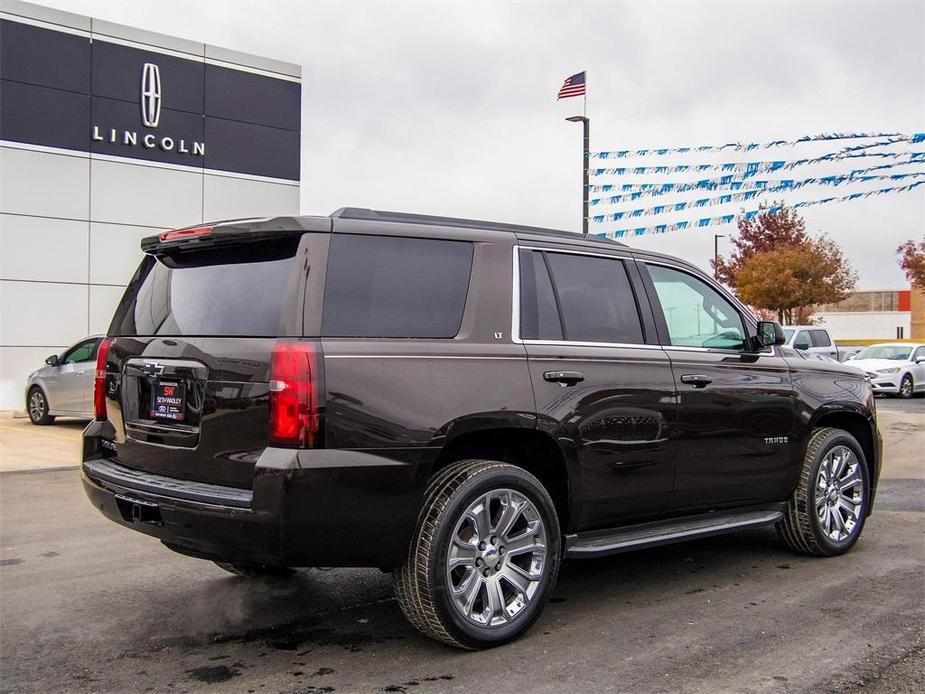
(410, 218)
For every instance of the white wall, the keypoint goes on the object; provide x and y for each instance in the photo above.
(864, 325)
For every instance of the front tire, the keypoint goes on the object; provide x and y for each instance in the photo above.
(484, 558)
(37, 407)
(825, 515)
(906, 387)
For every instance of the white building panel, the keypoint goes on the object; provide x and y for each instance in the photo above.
(865, 325)
(103, 302)
(44, 184)
(40, 314)
(41, 249)
(225, 197)
(147, 195)
(115, 251)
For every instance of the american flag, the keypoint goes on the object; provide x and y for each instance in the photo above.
(573, 86)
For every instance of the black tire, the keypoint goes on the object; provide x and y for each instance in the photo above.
(37, 407)
(906, 387)
(248, 569)
(421, 585)
(802, 528)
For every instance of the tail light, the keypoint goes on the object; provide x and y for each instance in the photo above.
(99, 382)
(295, 385)
(184, 233)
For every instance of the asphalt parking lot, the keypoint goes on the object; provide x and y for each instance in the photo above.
(86, 606)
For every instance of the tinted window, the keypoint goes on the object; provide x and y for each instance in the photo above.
(820, 338)
(85, 351)
(539, 316)
(237, 291)
(803, 340)
(697, 315)
(388, 286)
(595, 298)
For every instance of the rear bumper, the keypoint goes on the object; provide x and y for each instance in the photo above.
(306, 507)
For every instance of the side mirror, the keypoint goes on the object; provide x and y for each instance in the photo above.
(770, 333)
(850, 357)
(920, 360)
(801, 345)
(52, 360)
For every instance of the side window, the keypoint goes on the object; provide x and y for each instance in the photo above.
(539, 315)
(391, 286)
(820, 338)
(697, 315)
(84, 351)
(595, 299)
(918, 354)
(802, 340)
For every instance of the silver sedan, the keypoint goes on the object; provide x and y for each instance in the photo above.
(64, 388)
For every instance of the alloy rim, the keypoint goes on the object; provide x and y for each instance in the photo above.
(839, 493)
(497, 558)
(36, 406)
(906, 386)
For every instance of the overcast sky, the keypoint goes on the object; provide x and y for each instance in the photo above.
(449, 108)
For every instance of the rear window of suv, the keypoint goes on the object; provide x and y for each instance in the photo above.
(236, 291)
(389, 286)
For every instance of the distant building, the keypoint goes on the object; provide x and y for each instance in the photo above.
(875, 315)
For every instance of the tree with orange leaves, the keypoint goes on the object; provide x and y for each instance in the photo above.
(777, 267)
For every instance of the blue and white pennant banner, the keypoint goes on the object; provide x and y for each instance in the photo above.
(715, 182)
(635, 191)
(754, 167)
(751, 146)
(729, 218)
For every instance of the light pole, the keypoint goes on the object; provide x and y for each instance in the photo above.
(716, 238)
(585, 162)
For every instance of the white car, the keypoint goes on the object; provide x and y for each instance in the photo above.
(896, 368)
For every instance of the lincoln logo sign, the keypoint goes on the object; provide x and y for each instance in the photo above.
(150, 118)
(150, 95)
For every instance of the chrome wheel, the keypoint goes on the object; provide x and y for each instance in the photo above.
(497, 558)
(37, 406)
(839, 493)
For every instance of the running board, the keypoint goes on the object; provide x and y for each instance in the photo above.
(602, 542)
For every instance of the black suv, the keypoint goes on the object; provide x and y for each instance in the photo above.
(460, 403)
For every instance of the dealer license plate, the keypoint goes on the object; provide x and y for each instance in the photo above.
(168, 401)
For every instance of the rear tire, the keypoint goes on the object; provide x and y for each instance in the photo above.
(37, 407)
(248, 569)
(484, 558)
(825, 515)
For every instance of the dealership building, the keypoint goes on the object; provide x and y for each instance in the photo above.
(108, 134)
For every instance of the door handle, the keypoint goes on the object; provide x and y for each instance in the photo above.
(564, 378)
(696, 380)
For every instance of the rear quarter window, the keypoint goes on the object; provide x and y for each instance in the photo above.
(820, 338)
(390, 286)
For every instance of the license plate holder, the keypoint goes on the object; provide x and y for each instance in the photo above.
(168, 400)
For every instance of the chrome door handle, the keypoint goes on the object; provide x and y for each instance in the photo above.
(696, 380)
(564, 378)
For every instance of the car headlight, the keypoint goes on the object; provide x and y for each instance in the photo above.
(892, 370)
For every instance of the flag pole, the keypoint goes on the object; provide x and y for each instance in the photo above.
(585, 156)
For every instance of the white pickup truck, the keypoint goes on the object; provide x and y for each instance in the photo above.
(816, 340)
